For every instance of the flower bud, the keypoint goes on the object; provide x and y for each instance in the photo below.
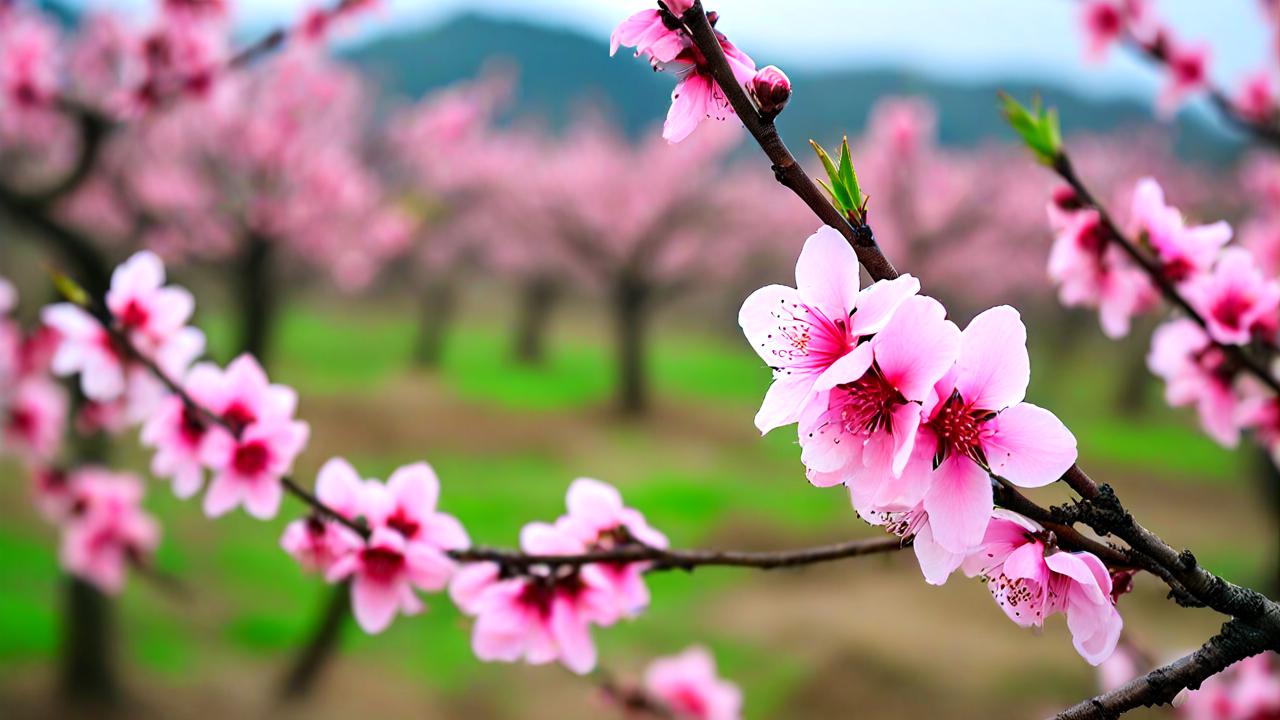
(678, 7)
(1066, 199)
(771, 89)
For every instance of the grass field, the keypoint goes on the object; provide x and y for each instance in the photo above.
(506, 442)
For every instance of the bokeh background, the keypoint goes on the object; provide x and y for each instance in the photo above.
(498, 302)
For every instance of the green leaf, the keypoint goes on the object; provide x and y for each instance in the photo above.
(69, 289)
(842, 182)
(849, 178)
(1039, 128)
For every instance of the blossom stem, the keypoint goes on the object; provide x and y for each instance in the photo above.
(785, 167)
(1063, 166)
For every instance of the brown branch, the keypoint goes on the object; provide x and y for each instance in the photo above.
(1065, 169)
(687, 559)
(785, 168)
(1233, 643)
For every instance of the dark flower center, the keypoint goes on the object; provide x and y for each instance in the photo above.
(251, 458)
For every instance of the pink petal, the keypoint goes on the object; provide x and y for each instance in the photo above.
(223, 495)
(374, 603)
(416, 487)
(959, 504)
(784, 400)
(936, 562)
(848, 368)
(878, 301)
(1030, 446)
(993, 368)
(689, 105)
(573, 636)
(827, 274)
(917, 347)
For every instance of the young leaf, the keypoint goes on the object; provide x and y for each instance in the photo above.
(1038, 128)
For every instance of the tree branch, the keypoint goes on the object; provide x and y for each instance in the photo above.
(1236, 641)
(785, 168)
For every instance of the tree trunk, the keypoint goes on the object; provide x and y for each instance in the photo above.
(86, 671)
(257, 296)
(1135, 378)
(631, 303)
(323, 643)
(438, 304)
(533, 319)
(1268, 478)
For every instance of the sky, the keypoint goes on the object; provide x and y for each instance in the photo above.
(973, 40)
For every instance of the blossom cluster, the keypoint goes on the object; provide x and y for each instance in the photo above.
(1106, 23)
(33, 407)
(1231, 291)
(545, 612)
(916, 418)
(405, 547)
(686, 686)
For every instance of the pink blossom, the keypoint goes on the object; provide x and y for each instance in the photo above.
(177, 432)
(407, 548)
(1183, 251)
(816, 328)
(249, 464)
(979, 424)
(34, 419)
(147, 311)
(384, 572)
(1256, 98)
(861, 430)
(317, 542)
(1092, 271)
(936, 562)
(1187, 73)
(1248, 690)
(697, 95)
(1236, 300)
(653, 33)
(86, 348)
(1103, 22)
(598, 517)
(542, 616)
(52, 492)
(687, 684)
(107, 528)
(1032, 580)
(1196, 373)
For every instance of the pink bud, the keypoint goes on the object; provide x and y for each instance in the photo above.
(678, 7)
(771, 89)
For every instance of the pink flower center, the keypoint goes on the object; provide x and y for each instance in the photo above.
(805, 338)
(1230, 309)
(381, 564)
(539, 592)
(191, 427)
(1104, 20)
(959, 429)
(1018, 595)
(251, 458)
(133, 316)
(22, 422)
(1178, 269)
(403, 524)
(239, 417)
(867, 404)
(1187, 69)
(687, 700)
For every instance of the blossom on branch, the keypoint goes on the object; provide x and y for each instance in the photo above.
(1032, 580)
(689, 687)
(105, 528)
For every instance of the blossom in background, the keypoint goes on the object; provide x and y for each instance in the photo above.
(1186, 73)
(1196, 373)
(1236, 300)
(1184, 252)
(814, 330)
(688, 686)
(1256, 97)
(33, 418)
(861, 429)
(1032, 580)
(248, 464)
(106, 528)
(1248, 690)
(599, 518)
(1091, 271)
(543, 615)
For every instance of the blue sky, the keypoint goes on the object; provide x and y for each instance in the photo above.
(963, 39)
